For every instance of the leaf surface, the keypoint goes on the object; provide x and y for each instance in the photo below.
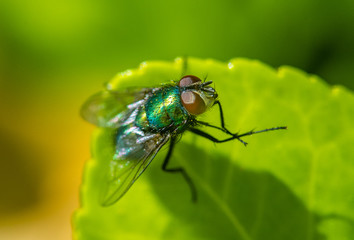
(294, 184)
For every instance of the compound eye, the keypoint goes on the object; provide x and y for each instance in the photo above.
(193, 103)
(188, 80)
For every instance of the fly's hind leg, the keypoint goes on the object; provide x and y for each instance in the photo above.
(178, 170)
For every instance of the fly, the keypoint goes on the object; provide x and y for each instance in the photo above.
(146, 119)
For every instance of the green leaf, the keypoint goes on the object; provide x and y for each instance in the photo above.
(294, 184)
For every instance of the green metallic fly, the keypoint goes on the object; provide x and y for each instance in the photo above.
(145, 119)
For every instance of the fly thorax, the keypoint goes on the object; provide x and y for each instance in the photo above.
(164, 109)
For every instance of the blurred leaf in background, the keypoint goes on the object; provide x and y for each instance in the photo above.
(53, 54)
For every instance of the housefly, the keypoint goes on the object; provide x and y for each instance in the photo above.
(146, 119)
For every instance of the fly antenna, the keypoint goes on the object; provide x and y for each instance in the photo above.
(206, 83)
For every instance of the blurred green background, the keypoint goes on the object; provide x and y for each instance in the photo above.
(54, 54)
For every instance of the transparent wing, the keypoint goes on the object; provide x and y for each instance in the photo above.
(111, 108)
(134, 152)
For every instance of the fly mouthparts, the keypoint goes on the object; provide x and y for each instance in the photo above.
(211, 90)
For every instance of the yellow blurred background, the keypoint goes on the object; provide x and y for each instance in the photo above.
(54, 54)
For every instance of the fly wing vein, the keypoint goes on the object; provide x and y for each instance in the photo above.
(130, 161)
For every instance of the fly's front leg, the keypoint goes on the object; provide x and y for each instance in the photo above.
(225, 130)
(234, 136)
(178, 170)
(221, 114)
(214, 139)
(222, 121)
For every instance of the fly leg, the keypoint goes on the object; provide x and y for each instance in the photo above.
(222, 128)
(222, 118)
(234, 136)
(222, 122)
(178, 170)
(225, 130)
